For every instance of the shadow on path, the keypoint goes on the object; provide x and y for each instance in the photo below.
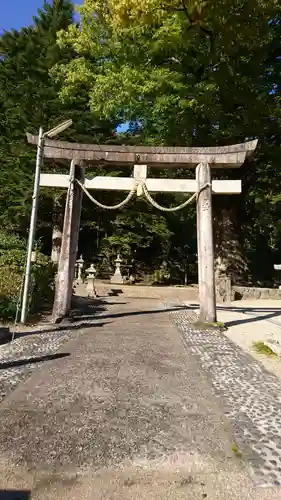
(131, 313)
(90, 317)
(14, 495)
(254, 318)
(256, 314)
(62, 328)
(31, 361)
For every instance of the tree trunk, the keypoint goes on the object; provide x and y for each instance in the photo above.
(229, 255)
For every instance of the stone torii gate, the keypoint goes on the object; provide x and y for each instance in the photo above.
(141, 157)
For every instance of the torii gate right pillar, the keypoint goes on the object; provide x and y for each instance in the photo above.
(205, 245)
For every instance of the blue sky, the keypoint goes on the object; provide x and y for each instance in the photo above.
(18, 13)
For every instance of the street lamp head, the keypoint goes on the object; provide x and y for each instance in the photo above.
(58, 129)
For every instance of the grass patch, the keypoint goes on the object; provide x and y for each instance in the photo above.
(202, 325)
(185, 481)
(261, 348)
(129, 482)
(236, 450)
(219, 324)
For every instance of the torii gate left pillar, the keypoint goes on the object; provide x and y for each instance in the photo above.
(69, 246)
(141, 156)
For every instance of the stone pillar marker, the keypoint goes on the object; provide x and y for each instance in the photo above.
(117, 278)
(224, 292)
(56, 244)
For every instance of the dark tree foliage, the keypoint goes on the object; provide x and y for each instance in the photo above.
(190, 76)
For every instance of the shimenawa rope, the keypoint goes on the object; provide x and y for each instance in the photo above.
(147, 195)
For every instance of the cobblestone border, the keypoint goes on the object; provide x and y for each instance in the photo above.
(249, 396)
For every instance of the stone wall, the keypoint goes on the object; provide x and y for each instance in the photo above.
(244, 292)
(227, 293)
(170, 293)
(224, 291)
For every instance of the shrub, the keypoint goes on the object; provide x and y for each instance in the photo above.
(42, 284)
(11, 242)
(10, 283)
(11, 271)
(12, 263)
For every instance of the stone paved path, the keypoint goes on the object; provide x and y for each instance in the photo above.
(34, 345)
(128, 414)
(249, 395)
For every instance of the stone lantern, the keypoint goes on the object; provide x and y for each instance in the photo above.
(117, 278)
(91, 276)
(79, 269)
(34, 257)
(277, 267)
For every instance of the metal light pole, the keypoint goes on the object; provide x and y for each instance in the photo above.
(32, 228)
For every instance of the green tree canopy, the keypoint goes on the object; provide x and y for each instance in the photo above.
(190, 72)
(187, 71)
(184, 72)
(29, 99)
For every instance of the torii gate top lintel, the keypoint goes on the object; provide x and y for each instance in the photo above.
(184, 157)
